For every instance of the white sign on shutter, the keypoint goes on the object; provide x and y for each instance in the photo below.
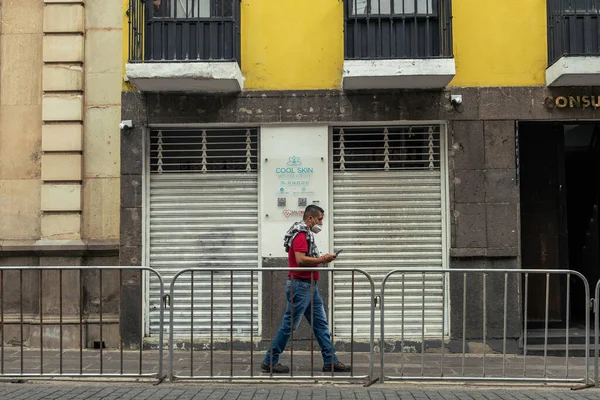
(294, 174)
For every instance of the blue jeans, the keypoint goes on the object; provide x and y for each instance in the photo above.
(302, 307)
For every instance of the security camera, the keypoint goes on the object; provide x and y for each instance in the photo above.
(456, 99)
(126, 124)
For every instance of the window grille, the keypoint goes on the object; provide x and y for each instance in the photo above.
(205, 151)
(183, 9)
(387, 148)
(184, 30)
(392, 7)
(573, 28)
(392, 29)
(581, 5)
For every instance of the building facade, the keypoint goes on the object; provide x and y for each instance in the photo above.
(59, 164)
(436, 134)
(190, 134)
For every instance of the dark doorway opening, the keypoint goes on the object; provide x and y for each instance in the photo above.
(559, 171)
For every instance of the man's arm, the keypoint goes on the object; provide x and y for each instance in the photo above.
(305, 261)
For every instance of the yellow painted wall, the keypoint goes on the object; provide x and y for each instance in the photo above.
(499, 43)
(294, 45)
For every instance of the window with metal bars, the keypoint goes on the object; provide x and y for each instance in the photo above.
(205, 150)
(582, 5)
(573, 28)
(393, 7)
(386, 148)
(184, 30)
(392, 29)
(183, 9)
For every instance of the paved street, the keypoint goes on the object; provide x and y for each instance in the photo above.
(283, 391)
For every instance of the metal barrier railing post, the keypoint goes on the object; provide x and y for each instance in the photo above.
(596, 332)
(161, 325)
(382, 330)
(587, 329)
(372, 331)
(171, 323)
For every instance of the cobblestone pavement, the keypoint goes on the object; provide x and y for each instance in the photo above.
(188, 391)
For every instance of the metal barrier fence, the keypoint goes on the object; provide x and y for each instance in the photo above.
(220, 307)
(596, 333)
(70, 327)
(493, 319)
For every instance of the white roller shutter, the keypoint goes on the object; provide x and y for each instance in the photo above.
(387, 214)
(204, 214)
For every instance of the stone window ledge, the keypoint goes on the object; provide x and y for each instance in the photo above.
(59, 247)
(434, 73)
(574, 71)
(484, 252)
(191, 77)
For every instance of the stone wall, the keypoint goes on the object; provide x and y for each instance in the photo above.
(20, 115)
(60, 82)
(37, 293)
(62, 111)
(485, 219)
(102, 113)
(485, 195)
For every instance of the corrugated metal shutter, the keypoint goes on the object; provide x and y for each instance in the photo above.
(205, 220)
(387, 214)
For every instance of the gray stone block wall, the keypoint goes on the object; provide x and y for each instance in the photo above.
(45, 295)
(484, 198)
(130, 249)
(492, 303)
(484, 209)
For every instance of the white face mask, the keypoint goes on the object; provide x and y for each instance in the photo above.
(316, 228)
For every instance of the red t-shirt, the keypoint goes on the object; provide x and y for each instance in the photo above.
(299, 244)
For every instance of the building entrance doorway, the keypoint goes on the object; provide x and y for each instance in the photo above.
(559, 173)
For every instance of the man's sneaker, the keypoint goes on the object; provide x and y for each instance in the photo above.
(277, 368)
(337, 367)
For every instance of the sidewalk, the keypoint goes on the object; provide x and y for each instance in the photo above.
(39, 390)
(305, 364)
(244, 364)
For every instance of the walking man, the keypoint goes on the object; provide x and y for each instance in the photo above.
(299, 243)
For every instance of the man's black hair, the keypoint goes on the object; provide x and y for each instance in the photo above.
(312, 210)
